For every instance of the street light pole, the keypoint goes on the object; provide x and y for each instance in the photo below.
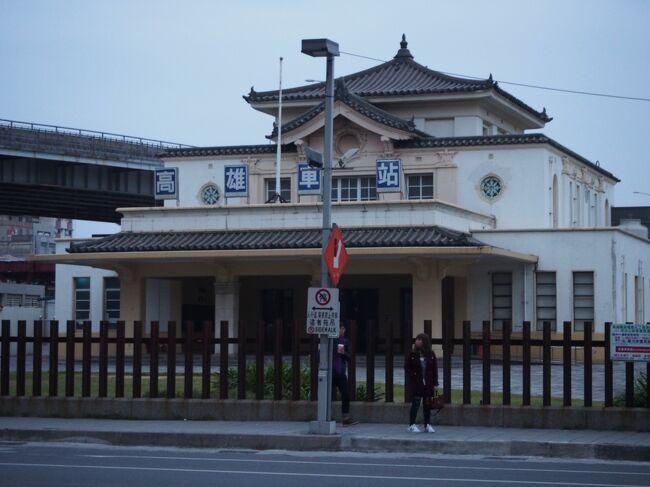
(328, 49)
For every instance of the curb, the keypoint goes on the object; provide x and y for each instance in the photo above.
(340, 443)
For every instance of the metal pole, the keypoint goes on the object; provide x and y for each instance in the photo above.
(278, 154)
(324, 368)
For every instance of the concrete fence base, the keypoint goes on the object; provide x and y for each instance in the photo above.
(620, 419)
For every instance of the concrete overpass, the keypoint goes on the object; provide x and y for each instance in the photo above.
(53, 171)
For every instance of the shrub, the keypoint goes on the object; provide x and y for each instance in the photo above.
(640, 393)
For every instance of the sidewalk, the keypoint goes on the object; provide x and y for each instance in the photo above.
(610, 445)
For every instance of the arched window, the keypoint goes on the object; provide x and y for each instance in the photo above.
(607, 215)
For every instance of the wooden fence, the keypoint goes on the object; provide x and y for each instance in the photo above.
(146, 350)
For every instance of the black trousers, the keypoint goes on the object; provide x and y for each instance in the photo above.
(341, 382)
(415, 405)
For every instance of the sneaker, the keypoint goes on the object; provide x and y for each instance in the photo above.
(429, 429)
(413, 429)
(349, 421)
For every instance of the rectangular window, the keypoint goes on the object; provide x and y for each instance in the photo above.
(501, 299)
(546, 300)
(639, 311)
(285, 189)
(14, 300)
(419, 186)
(31, 301)
(354, 188)
(81, 299)
(583, 299)
(111, 299)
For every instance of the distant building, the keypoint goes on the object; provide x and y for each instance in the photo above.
(451, 210)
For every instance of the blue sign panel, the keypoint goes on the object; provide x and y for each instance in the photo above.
(166, 184)
(236, 180)
(308, 179)
(388, 175)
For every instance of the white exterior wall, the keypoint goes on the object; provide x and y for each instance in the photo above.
(64, 285)
(564, 252)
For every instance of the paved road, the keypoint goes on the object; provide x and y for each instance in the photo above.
(72, 465)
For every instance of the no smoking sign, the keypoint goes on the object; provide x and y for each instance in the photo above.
(323, 311)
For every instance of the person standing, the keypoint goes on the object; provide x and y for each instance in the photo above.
(340, 359)
(422, 371)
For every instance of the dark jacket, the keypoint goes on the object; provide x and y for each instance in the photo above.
(421, 385)
(340, 360)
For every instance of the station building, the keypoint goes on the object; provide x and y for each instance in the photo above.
(456, 207)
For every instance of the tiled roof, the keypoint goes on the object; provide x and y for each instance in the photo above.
(228, 150)
(309, 238)
(358, 104)
(487, 140)
(397, 77)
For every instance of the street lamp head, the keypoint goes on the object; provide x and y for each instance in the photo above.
(320, 47)
(314, 158)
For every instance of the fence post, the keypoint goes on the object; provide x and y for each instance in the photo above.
(21, 358)
(206, 347)
(447, 347)
(486, 364)
(53, 389)
(566, 362)
(277, 361)
(389, 362)
(370, 360)
(241, 361)
(525, 369)
(38, 358)
(546, 364)
(153, 359)
(86, 358)
(223, 359)
(467, 362)
(588, 364)
(103, 359)
(4, 363)
(259, 361)
(188, 376)
(171, 359)
(507, 331)
(137, 359)
(609, 382)
(119, 359)
(295, 362)
(352, 373)
(69, 358)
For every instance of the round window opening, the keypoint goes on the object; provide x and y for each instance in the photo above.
(491, 187)
(210, 194)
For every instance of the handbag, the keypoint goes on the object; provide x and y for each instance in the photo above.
(436, 402)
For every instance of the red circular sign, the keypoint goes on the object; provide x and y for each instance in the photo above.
(323, 297)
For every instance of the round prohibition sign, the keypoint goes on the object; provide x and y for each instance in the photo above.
(323, 297)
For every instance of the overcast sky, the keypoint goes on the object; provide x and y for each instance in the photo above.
(177, 70)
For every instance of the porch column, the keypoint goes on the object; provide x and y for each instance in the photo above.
(132, 302)
(226, 305)
(427, 296)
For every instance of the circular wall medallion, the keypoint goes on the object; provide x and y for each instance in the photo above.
(491, 187)
(210, 194)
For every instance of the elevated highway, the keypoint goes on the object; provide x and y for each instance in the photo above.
(53, 171)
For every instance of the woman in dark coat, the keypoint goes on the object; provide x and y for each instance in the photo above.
(422, 372)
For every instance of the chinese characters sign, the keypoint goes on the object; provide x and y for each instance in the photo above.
(166, 184)
(308, 179)
(323, 311)
(630, 343)
(388, 175)
(236, 180)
